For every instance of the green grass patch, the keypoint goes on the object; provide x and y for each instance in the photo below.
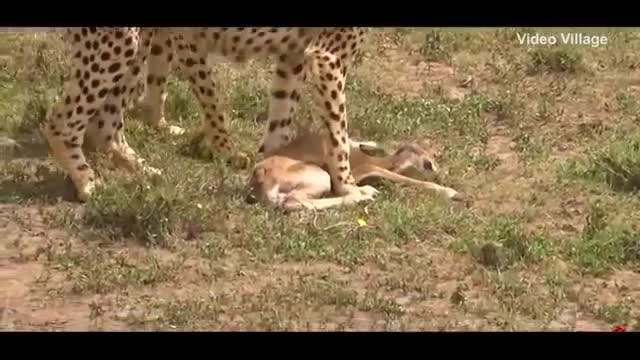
(502, 242)
(614, 163)
(603, 245)
(554, 60)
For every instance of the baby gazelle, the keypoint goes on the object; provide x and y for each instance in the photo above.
(295, 176)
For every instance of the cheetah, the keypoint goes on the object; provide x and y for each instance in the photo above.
(325, 53)
(107, 65)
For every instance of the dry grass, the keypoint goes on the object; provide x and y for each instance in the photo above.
(544, 138)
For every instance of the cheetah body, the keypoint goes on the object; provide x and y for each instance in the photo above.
(108, 66)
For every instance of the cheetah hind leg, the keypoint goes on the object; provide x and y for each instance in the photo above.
(140, 91)
(213, 140)
(142, 104)
(105, 129)
(197, 146)
(151, 89)
(105, 133)
(285, 98)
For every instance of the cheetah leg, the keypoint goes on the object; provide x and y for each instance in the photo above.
(106, 133)
(106, 129)
(138, 92)
(158, 66)
(64, 131)
(330, 79)
(194, 61)
(95, 73)
(285, 96)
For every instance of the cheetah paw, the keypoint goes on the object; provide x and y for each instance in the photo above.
(84, 193)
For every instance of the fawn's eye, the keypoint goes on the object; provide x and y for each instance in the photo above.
(427, 165)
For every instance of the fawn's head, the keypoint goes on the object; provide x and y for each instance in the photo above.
(408, 160)
(259, 181)
(413, 156)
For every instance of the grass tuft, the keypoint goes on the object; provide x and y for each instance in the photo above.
(616, 164)
(503, 243)
(554, 60)
(604, 246)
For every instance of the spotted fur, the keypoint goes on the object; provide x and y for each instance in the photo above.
(108, 66)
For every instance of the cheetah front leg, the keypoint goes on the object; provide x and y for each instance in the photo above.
(330, 79)
(64, 130)
(100, 59)
(285, 96)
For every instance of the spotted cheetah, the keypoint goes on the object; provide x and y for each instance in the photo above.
(107, 64)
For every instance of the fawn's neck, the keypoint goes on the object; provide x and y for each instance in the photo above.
(358, 158)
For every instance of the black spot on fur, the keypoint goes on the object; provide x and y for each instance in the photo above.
(114, 67)
(279, 94)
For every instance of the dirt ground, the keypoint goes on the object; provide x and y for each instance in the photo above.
(544, 139)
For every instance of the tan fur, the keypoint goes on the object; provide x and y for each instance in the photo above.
(295, 176)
